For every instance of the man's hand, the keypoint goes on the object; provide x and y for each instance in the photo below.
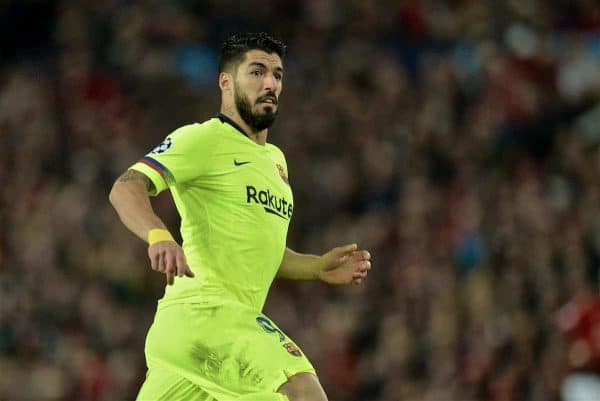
(345, 265)
(168, 257)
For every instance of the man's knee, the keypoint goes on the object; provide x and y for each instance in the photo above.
(303, 387)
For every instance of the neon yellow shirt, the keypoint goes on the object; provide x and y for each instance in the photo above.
(235, 204)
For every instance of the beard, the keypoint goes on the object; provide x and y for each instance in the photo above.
(256, 121)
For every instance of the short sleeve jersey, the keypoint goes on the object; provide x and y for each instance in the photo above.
(235, 204)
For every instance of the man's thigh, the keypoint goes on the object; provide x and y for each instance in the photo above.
(228, 350)
(164, 385)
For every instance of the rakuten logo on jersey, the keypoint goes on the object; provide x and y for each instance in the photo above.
(271, 203)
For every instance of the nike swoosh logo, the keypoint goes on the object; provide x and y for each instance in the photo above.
(237, 163)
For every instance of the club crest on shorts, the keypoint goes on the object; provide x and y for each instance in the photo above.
(292, 349)
(282, 174)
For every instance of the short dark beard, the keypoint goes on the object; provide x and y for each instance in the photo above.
(257, 122)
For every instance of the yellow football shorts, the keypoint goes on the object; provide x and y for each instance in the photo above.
(204, 353)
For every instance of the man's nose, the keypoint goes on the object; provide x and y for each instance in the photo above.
(270, 83)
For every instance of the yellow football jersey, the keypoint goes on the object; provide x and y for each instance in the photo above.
(235, 203)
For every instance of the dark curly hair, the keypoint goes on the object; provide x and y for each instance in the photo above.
(236, 46)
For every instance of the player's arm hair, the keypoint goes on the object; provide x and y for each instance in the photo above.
(130, 196)
(299, 266)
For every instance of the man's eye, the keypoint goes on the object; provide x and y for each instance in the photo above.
(256, 73)
(278, 77)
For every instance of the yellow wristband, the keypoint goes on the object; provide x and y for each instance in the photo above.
(159, 234)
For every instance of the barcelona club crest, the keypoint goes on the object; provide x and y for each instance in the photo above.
(292, 349)
(282, 174)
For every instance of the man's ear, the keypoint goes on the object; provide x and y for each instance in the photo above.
(225, 81)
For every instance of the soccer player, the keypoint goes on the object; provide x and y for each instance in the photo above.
(209, 339)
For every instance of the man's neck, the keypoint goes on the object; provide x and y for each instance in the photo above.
(258, 137)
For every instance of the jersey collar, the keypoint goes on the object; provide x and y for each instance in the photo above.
(227, 120)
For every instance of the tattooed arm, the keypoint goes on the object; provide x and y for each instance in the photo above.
(129, 196)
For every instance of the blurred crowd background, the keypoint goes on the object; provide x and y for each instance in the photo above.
(458, 141)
